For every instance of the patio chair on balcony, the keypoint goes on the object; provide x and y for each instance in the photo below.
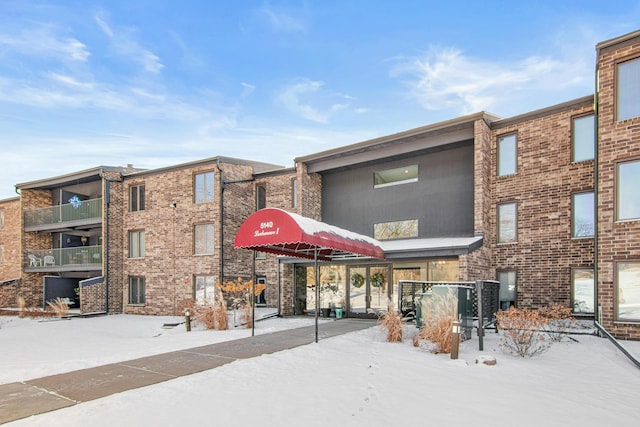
(49, 260)
(34, 261)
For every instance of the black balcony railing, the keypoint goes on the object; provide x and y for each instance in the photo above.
(86, 210)
(83, 257)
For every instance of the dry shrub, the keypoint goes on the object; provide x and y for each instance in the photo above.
(521, 332)
(22, 305)
(59, 307)
(4, 297)
(437, 317)
(391, 321)
(559, 321)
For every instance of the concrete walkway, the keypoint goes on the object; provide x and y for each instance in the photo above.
(23, 399)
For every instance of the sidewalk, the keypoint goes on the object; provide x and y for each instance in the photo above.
(23, 399)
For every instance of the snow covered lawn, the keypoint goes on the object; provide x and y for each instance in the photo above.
(356, 379)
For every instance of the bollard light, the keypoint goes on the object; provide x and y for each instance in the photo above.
(455, 339)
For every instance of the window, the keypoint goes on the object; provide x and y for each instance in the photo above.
(583, 140)
(507, 223)
(136, 290)
(203, 241)
(204, 289)
(204, 187)
(627, 195)
(583, 220)
(628, 291)
(294, 193)
(395, 229)
(136, 198)
(136, 244)
(507, 279)
(261, 197)
(628, 90)
(507, 154)
(582, 290)
(443, 270)
(397, 176)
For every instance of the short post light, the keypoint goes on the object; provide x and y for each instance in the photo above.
(455, 339)
(187, 319)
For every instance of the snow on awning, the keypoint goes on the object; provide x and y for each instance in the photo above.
(284, 233)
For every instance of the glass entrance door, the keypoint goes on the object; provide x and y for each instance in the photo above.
(368, 290)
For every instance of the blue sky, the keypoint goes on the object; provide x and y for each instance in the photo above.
(156, 83)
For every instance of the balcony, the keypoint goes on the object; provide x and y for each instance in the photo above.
(83, 214)
(80, 258)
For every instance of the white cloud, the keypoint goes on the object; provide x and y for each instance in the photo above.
(447, 78)
(308, 99)
(44, 41)
(124, 44)
(282, 21)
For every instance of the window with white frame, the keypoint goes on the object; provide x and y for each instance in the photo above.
(136, 244)
(507, 223)
(582, 290)
(628, 291)
(507, 279)
(204, 289)
(627, 194)
(136, 198)
(294, 193)
(136, 290)
(203, 239)
(583, 138)
(507, 154)
(628, 89)
(395, 176)
(203, 184)
(583, 214)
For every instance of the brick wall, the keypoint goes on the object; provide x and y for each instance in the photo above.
(618, 140)
(10, 256)
(545, 252)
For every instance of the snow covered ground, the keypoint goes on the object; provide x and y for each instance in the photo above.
(356, 379)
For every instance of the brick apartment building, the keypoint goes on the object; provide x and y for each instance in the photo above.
(545, 202)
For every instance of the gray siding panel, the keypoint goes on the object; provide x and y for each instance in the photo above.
(442, 199)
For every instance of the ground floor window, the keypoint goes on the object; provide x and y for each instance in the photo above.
(507, 279)
(582, 290)
(136, 290)
(204, 291)
(628, 291)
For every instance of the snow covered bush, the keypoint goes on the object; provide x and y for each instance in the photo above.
(559, 321)
(521, 332)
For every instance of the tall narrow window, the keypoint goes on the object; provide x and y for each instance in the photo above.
(136, 198)
(507, 279)
(582, 290)
(203, 187)
(204, 289)
(628, 291)
(507, 154)
(294, 193)
(583, 216)
(136, 244)
(507, 223)
(627, 194)
(203, 239)
(583, 138)
(261, 196)
(136, 290)
(628, 90)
